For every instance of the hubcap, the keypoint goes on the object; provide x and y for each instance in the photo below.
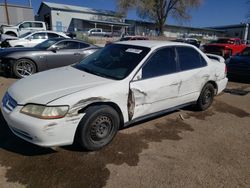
(207, 97)
(101, 128)
(25, 68)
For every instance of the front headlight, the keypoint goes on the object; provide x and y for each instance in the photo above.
(45, 112)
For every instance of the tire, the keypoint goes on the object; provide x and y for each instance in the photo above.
(23, 68)
(11, 34)
(206, 97)
(98, 127)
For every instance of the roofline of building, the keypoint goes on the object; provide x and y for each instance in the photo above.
(230, 26)
(176, 26)
(111, 13)
(18, 6)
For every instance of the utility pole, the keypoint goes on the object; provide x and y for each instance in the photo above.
(30, 4)
(6, 11)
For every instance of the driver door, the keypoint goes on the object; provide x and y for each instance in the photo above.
(64, 53)
(155, 87)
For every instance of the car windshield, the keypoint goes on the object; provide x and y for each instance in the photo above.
(25, 35)
(223, 41)
(46, 44)
(245, 52)
(115, 61)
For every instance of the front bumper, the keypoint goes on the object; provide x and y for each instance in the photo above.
(46, 133)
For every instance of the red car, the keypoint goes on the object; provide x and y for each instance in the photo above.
(225, 47)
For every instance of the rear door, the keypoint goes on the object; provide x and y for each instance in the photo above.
(155, 87)
(66, 54)
(194, 73)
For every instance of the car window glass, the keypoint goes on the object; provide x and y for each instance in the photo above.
(52, 35)
(163, 62)
(39, 36)
(25, 25)
(189, 58)
(83, 45)
(37, 24)
(68, 45)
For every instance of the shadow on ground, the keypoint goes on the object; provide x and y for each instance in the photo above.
(70, 166)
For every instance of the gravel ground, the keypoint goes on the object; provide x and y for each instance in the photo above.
(182, 149)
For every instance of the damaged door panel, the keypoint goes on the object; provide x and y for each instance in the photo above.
(153, 95)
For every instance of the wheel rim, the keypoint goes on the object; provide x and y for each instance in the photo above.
(101, 128)
(25, 68)
(207, 97)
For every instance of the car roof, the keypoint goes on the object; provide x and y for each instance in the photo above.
(152, 43)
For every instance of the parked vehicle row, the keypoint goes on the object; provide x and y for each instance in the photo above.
(120, 84)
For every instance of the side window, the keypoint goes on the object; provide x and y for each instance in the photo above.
(39, 36)
(68, 45)
(52, 35)
(37, 25)
(161, 63)
(83, 45)
(25, 25)
(189, 58)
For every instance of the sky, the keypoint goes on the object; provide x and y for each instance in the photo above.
(210, 13)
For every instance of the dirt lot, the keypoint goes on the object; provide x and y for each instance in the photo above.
(182, 149)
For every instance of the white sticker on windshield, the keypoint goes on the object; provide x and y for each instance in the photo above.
(132, 50)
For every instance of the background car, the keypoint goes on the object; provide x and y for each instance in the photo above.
(50, 54)
(31, 39)
(225, 47)
(239, 64)
(192, 41)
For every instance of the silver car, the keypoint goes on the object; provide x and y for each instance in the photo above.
(52, 53)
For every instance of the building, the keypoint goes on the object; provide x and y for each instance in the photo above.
(171, 31)
(237, 30)
(68, 18)
(13, 14)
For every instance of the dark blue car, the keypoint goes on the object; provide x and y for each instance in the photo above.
(239, 65)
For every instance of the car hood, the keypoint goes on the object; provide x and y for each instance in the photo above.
(47, 86)
(7, 51)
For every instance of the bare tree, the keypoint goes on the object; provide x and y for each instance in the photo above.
(159, 10)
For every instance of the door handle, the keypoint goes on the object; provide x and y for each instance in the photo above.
(77, 54)
(205, 76)
(175, 84)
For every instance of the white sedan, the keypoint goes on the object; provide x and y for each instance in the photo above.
(118, 85)
(31, 39)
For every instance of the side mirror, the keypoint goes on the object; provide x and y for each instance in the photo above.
(54, 49)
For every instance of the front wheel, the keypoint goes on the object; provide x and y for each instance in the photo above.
(206, 97)
(23, 68)
(98, 127)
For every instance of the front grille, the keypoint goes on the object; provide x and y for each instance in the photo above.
(8, 102)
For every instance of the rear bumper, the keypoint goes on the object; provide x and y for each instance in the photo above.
(221, 84)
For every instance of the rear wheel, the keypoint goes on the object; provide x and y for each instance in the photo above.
(98, 127)
(11, 34)
(23, 68)
(206, 97)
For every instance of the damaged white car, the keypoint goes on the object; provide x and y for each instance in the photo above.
(118, 85)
